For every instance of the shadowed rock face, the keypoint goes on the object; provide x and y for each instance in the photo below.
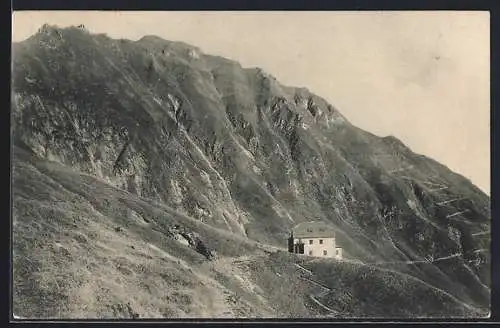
(232, 148)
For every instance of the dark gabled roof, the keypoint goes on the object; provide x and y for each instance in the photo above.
(313, 229)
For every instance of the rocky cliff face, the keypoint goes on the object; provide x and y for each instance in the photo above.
(232, 148)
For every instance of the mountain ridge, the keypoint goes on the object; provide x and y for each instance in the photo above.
(232, 148)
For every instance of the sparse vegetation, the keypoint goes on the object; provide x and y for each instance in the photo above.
(151, 180)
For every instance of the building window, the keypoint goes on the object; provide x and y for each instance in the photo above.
(322, 229)
(310, 241)
(325, 252)
(310, 252)
(321, 241)
(309, 230)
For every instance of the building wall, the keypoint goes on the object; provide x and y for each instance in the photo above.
(317, 249)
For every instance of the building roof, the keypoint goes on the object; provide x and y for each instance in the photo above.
(313, 229)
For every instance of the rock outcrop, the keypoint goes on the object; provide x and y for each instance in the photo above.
(232, 148)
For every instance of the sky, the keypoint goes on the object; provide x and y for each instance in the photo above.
(420, 76)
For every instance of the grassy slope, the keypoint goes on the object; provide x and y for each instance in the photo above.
(83, 249)
(76, 94)
(75, 258)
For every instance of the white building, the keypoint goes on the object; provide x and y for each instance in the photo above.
(314, 238)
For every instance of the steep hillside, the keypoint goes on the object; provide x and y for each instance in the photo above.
(117, 142)
(84, 249)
